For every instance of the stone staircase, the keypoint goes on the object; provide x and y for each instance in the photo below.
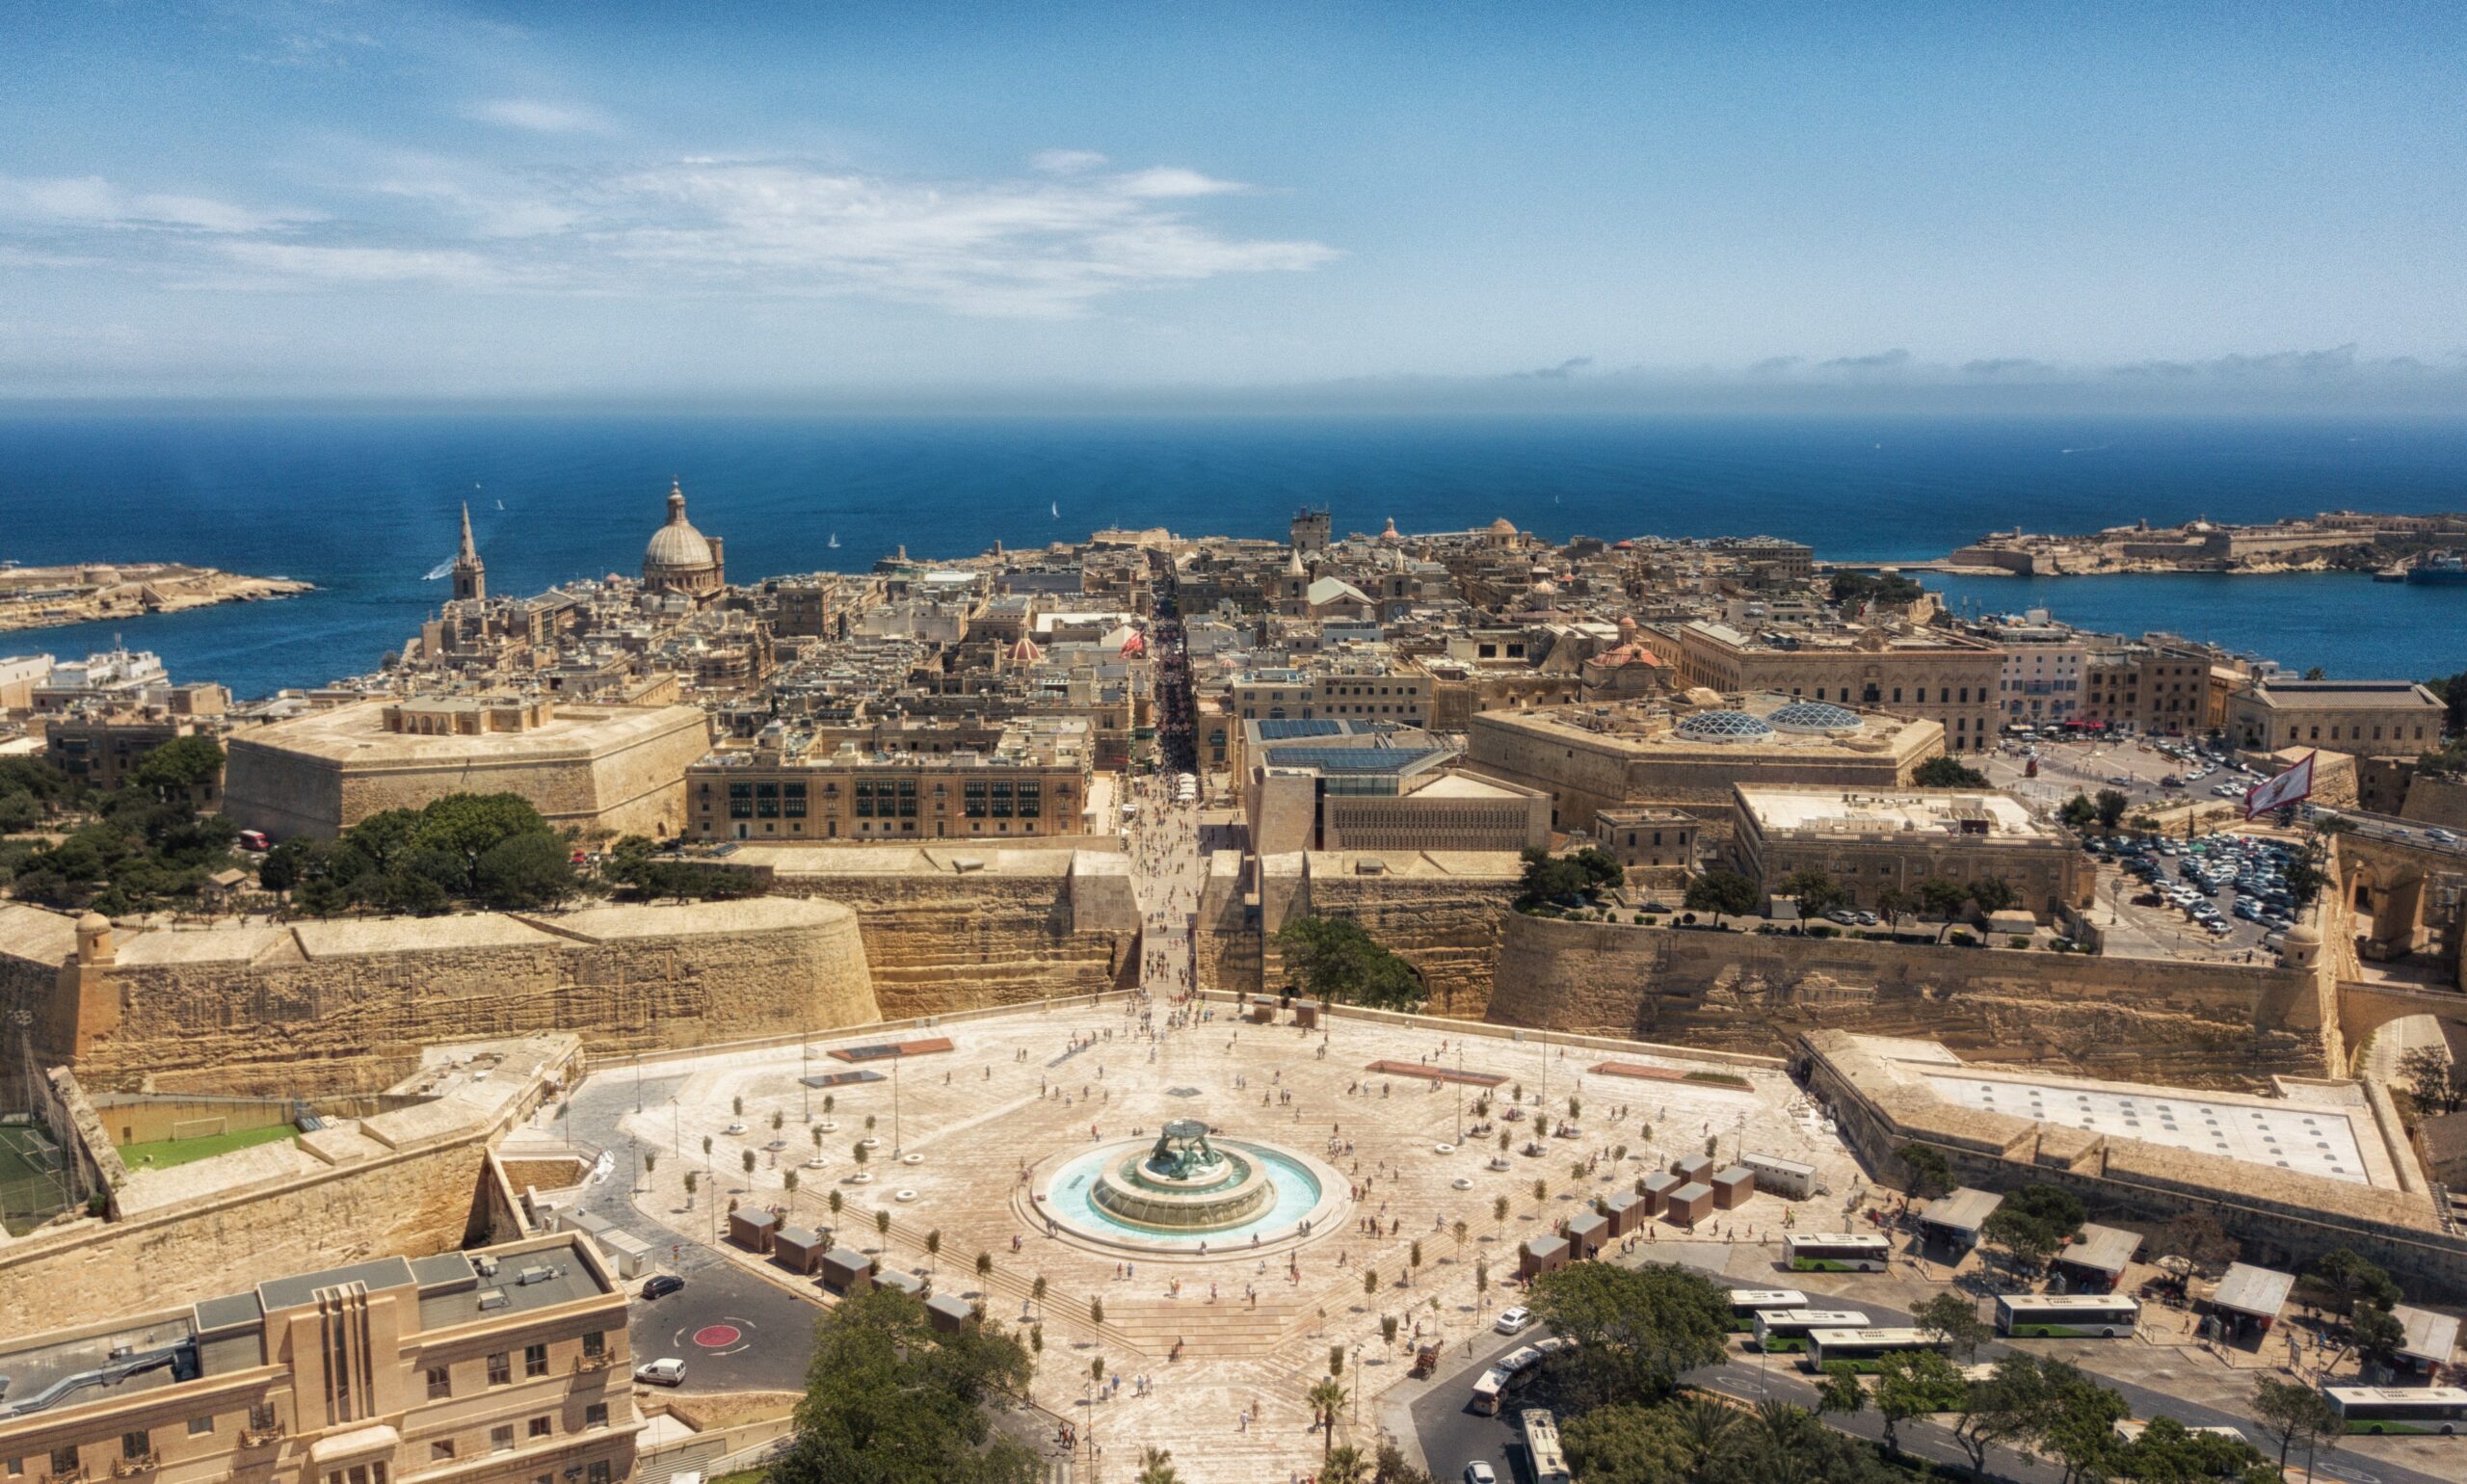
(1226, 1329)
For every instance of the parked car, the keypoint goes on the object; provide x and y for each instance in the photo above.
(668, 1371)
(1514, 1321)
(662, 1286)
(1481, 1472)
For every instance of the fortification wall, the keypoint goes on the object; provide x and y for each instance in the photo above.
(1449, 927)
(2194, 1024)
(345, 1007)
(939, 941)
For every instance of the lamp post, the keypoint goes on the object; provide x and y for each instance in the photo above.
(637, 1081)
(894, 1107)
(805, 1054)
(1460, 1092)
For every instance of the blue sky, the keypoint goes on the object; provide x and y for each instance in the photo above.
(2160, 201)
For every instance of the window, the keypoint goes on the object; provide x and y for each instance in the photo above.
(594, 1345)
(201, 1426)
(740, 800)
(261, 1417)
(594, 1415)
(601, 1472)
(767, 801)
(501, 1438)
(440, 1382)
(541, 1428)
(136, 1444)
(64, 1460)
(500, 1368)
(793, 800)
(534, 1360)
(442, 1449)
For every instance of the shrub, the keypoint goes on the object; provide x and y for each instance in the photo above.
(1961, 940)
(2017, 941)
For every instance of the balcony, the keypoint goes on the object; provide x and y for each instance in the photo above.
(260, 1437)
(129, 1468)
(585, 1363)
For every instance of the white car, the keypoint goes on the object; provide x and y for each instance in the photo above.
(733, 1129)
(1479, 1472)
(666, 1372)
(1514, 1321)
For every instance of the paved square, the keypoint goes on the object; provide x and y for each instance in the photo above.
(966, 1141)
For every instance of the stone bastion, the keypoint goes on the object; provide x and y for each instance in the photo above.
(345, 1005)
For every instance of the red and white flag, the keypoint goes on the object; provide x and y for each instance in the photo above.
(2290, 786)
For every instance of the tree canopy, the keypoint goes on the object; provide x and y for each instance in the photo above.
(1723, 892)
(1634, 1329)
(1548, 877)
(492, 849)
(1948, 773)
(1332, 959)
(2034, 1224)
(887, 1401)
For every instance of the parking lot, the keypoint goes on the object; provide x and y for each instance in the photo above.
(2137, 767)
(2218, 896)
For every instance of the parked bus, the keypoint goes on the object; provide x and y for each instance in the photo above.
(2386, 1409)
(2066, 1317)
(1747, 1303)
(1485, 1392)
(1862, 1348)
(1780, 1330)
(1548, 1466)
(1836, 1252)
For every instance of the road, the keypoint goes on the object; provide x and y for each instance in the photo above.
(1451, 1435)
(773, 1328)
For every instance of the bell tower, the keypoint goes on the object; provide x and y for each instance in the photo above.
(471, 577)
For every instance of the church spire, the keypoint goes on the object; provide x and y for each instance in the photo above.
(471, 577)
(470, 551)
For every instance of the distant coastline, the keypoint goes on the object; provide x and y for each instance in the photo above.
(63, 595)
(2332, 540)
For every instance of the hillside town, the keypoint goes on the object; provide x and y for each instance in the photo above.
(538, 995)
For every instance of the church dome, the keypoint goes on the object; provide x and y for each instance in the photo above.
(678, 544)
(1502, 526)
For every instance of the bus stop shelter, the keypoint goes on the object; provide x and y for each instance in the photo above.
(1954, 1221)
(2431, 1338)
(2247, 1301)
(2096, 1262)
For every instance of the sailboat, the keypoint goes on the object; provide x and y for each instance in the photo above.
(834, 540)
(1056, 507)
(501, 504)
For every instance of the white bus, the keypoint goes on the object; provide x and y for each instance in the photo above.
(1862, 1348)
(1542, 1452)
(1747, 1303)
(1781, 1329)
(2066, 1316)
(2388, 1409)
(1486, 1392)
(1836, 1252)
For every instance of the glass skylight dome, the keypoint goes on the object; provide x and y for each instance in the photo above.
(1815, 717)
(1724, 727)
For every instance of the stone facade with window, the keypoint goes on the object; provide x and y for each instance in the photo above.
(908, 798)
(2364, 718)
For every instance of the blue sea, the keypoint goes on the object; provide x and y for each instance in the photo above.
(365, 503)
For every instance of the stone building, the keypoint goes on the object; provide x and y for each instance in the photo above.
(1324, 785)
(1867, 842)
(2365, 717)
(681, 559)
(101, 751)
(1592, 758)
(499, 1366)
(1032, 781)
(1369, 689)
(1648, 841)
(618, 769)
(1927, 675)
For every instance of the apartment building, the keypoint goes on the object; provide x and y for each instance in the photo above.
(1370, 690)
(502, 1366)
(1034, 782)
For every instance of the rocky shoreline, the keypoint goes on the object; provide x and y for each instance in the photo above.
(35, 598)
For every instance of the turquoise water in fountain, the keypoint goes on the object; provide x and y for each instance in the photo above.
(1070, 1197)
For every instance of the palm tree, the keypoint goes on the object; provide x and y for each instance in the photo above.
(1709, 1430)
(788, 1183)
(1344, 1466)
(1327, 1402)
(1156, 1467)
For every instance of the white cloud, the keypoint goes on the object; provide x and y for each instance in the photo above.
(89, 200)
(1037, 246)
(1065, 162)
(540, 116)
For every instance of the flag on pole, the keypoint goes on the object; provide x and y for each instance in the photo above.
(2288, 787)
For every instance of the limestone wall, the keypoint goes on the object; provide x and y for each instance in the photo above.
(1449, 927)
(2195, 1024)
(345, 1006)
(939, 940)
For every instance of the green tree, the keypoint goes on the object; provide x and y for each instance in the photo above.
(1814, 892)
(1953, 1318)
(525, 871)
(1344, 1465)
(2009, 1407)
(2034, 1224)
(468, 826)
(178, 767)
(1723, 893)
(1890, 903)
(2378, 1334)
(888, 1399)
(1334, 960)
(2078, 1425)
(1840, 1391)
(2112, 807)
(2197, 1238)
(1913, 1384)
(1945, 897)
(1948, 773)
(1625, 1442)
(2079, 814)
(1635, 1329)
(2436, 1082)
(1931, 1173)
(1992, 893)
(2291, 1413)
(2346, 1280)
(2167, 1452)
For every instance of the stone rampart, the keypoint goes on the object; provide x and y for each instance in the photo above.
(2198, 1025)
(1446, 926)
(345, 1006)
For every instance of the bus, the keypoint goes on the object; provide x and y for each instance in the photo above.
(2387, 1409)
(1782, 1330)
(1862, 1348)
(1542, 1456)
(2066, 1317)
(1836, 1252)
(1485, 1392)
(1747, 1303)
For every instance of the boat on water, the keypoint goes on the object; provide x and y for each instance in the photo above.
(2443, 569)
(1056, 507)
(834, 540)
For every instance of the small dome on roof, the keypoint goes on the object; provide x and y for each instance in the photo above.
(93, 922)
(1391, 534)
(1724, 727)
(1026, 651)
(1503, 527)
(676, 544)
(1814, 718)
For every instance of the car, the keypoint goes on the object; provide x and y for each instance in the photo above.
(1514, 1321)
(733, 1129)
(2120, 779)
(1868, 919)
(1845, 919)
(662, 1286)
(253, 841)
(1481, 1472)
(2440, 835)
(666, 1370)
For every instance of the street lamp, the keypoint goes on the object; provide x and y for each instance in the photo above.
(894, 1107)
(804, 1051)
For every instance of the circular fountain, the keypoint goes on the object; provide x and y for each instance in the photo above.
(1187, 1188)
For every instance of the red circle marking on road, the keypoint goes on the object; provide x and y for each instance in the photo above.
(712, 1336)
